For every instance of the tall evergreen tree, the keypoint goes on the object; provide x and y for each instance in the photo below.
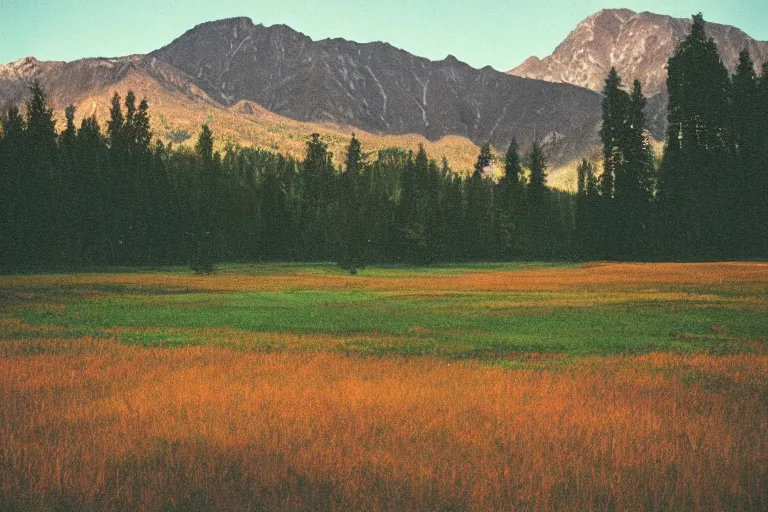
(749, 163)
(452, 245)
(116, 123)
(480, 208)
(13, 178)
(204, 247)
(510, 206)
(484, 159)
(633, 188)
(588, 234)
(613, 131)
(90, 181)
(42, 183)
(538, 244)
(352, 237)
(411, 222)
(319, 201)
(71, 201)
(761, 183)
(697, 167)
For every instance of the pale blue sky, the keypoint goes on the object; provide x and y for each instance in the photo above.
(481, 32)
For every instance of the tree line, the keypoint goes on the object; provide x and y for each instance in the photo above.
(87, 196)
(709, 197)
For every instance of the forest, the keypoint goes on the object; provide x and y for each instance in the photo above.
(93, 196)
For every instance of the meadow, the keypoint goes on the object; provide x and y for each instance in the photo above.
(299, 387)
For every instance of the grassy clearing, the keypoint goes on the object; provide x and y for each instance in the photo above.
(485, 311)
(284, 387)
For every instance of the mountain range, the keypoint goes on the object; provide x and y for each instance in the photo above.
(273, 86)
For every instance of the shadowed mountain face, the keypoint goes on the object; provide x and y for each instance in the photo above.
(637, 45)
(379, 88)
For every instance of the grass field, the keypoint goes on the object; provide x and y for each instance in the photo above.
(491, 387)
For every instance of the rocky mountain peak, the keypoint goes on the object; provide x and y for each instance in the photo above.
(24, 67)
(638, 45)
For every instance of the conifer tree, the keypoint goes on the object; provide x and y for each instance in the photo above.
(319, 201)
(413, 210)
(484, 159)
(71, 201)
(633, 188)
(538, 245)
(510, 205)
(116, 123)
(42, 182)
(90, 180)
(480, 208)
(13, 170)
(352, 236)
(745, 186)
(587, 212)
(452, 213)
(276, 218)
(203, 256)
(613, 131)
(698, 154)
(761, 183)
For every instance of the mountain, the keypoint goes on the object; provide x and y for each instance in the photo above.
(638, 45)
(374, 87)
(379, 88)
(178, 107)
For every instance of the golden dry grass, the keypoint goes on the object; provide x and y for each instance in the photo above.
(103, 426)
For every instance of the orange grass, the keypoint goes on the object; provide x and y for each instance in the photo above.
(104, 426)
(748, 275)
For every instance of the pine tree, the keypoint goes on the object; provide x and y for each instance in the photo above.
(352, 236)
(538, 244)
(513, 170)
(484, 159)
(588, 231)
(479, 215)
(761, 183)
(145, 183)
(633, 188)
(203, 256)
(454, 212)
(42, 184)
(510, 206)
(116, 123)
(745, 187)
(698, 155)
(613, 131)
(276, 217)
(413, 210)
(13, 171)
(319, 201)
(92, 187)
(71, 202)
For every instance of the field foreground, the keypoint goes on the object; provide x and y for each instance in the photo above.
(617, 387)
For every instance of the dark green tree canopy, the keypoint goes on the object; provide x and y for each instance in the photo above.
(538, 170)
(513, 170)
(484, 159)
(204, 146)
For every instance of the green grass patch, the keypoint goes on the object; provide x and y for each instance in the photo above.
(456, 324)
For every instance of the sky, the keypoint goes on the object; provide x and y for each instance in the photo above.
(499, 33)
